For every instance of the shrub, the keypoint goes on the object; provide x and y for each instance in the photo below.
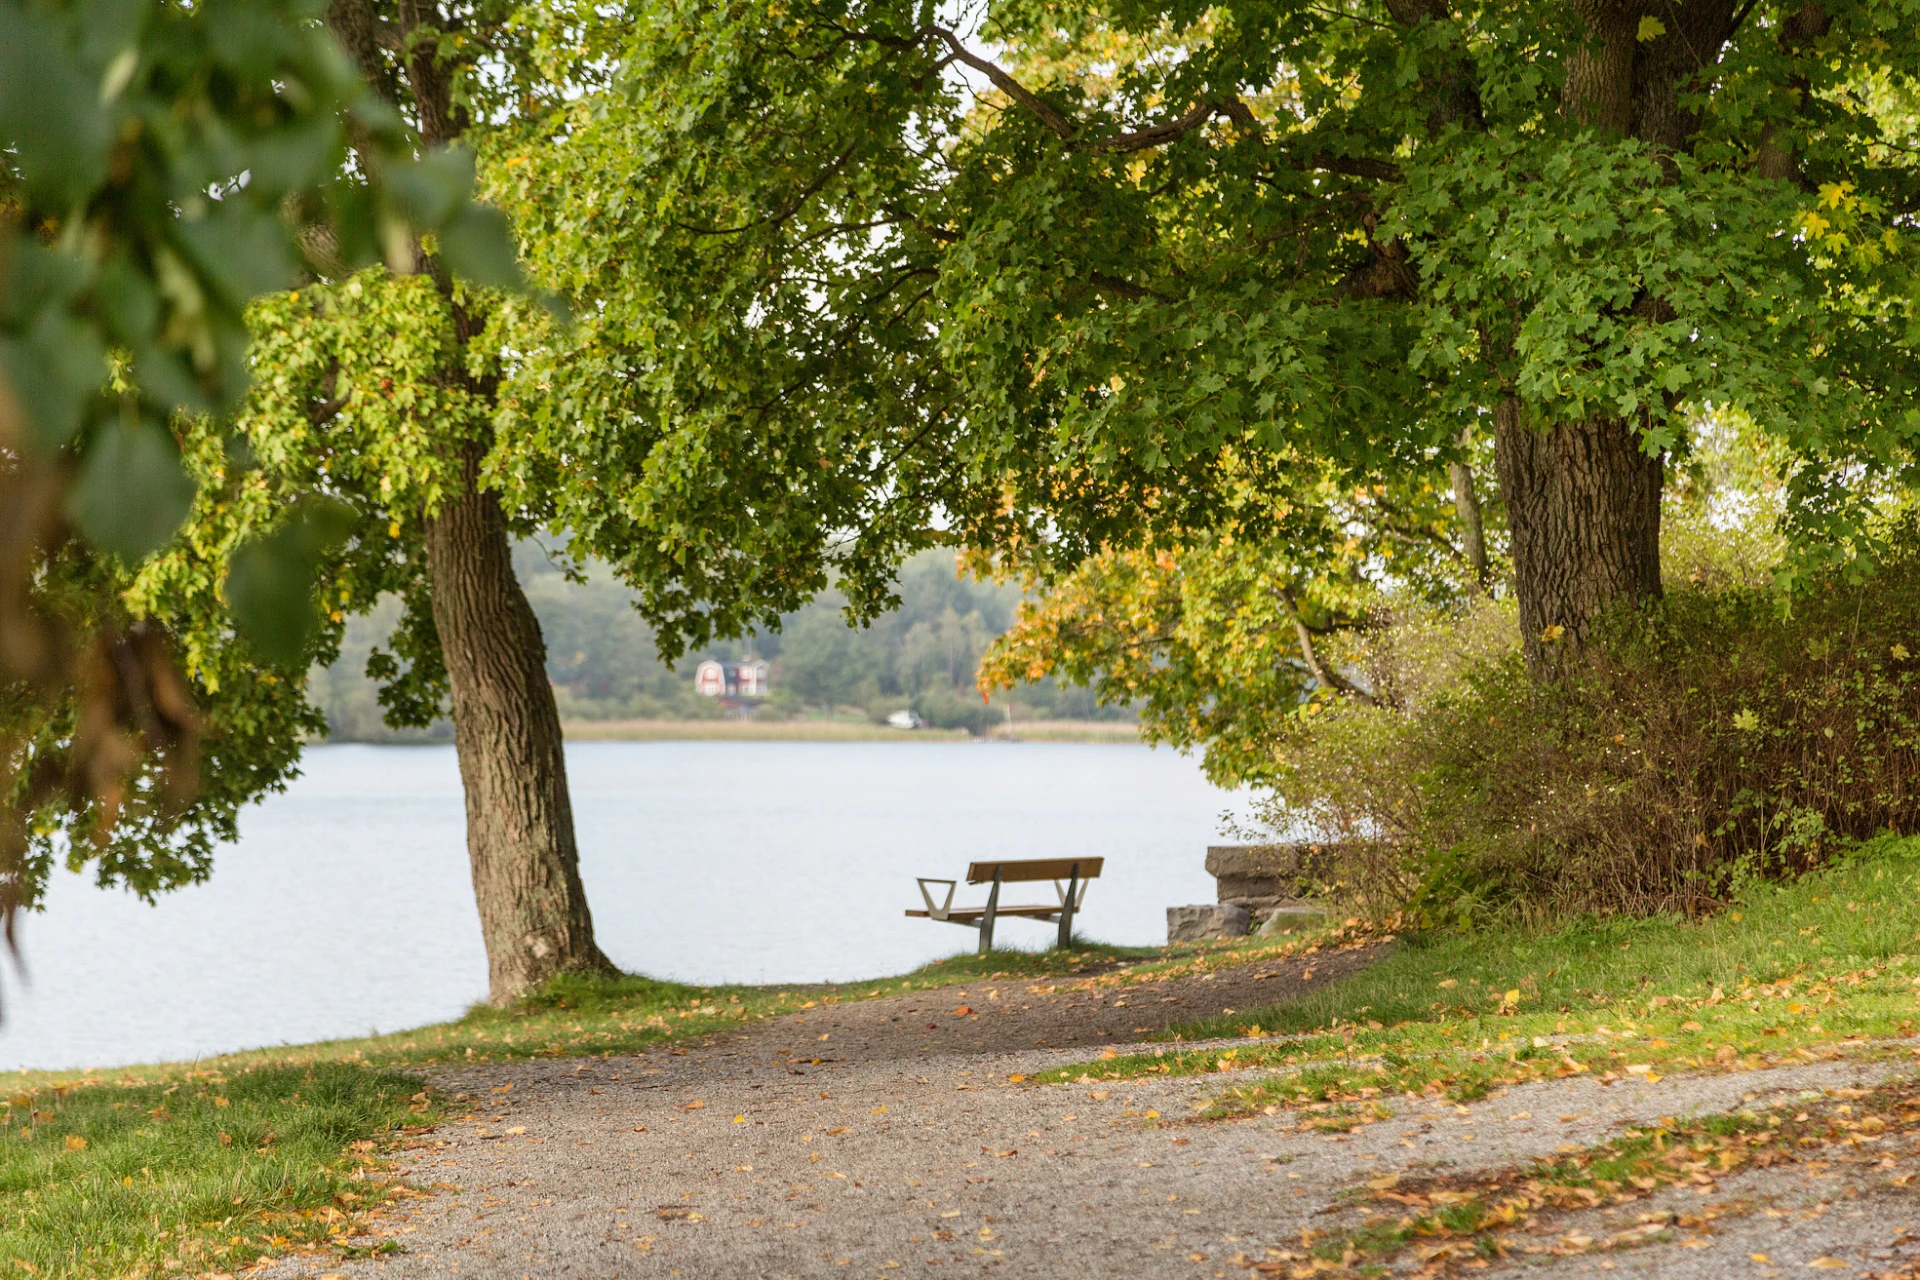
(1717, 737)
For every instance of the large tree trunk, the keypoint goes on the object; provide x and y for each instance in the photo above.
(526, 867)
(1583, 518)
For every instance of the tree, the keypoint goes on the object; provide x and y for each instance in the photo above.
(1160, 245)
(381, 390)
(822, 660)
(159, 166)
(1236, 644)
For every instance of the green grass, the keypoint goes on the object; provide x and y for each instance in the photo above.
(1799, 969)
(207, 1170)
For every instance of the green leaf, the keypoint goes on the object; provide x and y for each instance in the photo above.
(478, 246)
(53, 368)
(132, 492)
(127, 301)
(270, 584)
(243, 251)
(49, 115)
(1651, 28)
(431, 189)
(295, 157)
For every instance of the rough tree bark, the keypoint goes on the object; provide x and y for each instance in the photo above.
(1583, 518)
(520, 839)
(506, 729)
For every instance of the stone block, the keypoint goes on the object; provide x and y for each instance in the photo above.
(1289, 915)
(1257, 861)
(1207, 920)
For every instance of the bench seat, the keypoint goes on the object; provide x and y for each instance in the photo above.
(976, 913)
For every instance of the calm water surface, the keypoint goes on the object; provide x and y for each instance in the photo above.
(346, 908)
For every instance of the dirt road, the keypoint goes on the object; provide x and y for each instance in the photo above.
(889, 1138)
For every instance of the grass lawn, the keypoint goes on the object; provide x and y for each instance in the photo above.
(1807, 969)
(195, 1170)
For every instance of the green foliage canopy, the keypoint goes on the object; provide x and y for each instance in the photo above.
(1166, 253)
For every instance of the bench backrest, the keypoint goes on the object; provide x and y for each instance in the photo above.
(1034, 869)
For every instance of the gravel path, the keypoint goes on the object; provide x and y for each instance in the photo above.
(906, 1149)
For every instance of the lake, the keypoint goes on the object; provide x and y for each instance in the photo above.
(345, 908)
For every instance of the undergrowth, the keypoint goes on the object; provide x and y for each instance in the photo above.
(1719, 735)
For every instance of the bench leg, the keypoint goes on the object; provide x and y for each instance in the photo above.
(986, 921)
(1066, 909)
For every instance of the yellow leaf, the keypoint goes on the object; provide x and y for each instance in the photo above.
(76, 1143)
(739, 1119)
(1760, 1257)
(517, 1129)
(1552, 634)
(1513, 996)
(1015, 1078)
(1827, 1264)
(1900, 653)
(1382, 1184)
(1651, 28)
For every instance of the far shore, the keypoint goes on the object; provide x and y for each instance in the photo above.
(1107, 731)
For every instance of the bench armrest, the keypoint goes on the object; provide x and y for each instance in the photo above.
(939, 912)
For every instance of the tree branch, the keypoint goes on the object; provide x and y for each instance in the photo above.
(1062, 128)
(1329, 678)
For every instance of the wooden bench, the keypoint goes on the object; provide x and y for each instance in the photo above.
(1075, 871)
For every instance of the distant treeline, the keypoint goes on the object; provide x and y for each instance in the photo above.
(603, 664)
